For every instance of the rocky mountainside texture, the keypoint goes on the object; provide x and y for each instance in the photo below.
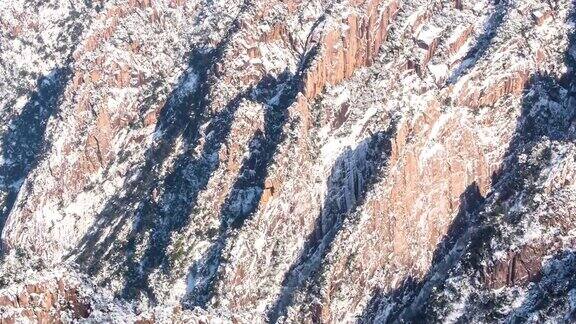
(319, 161)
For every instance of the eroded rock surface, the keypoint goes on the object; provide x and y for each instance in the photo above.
(287, 161)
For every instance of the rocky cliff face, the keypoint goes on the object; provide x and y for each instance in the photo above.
(287, 161)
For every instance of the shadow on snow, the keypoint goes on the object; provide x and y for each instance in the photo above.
(162, 203)
(277, 95)
(548, 113)
(24, 143)
(352, 175)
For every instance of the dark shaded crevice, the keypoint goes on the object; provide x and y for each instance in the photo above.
(179, 196)
(23, 144)
(401, 304)
(277, 94)
(558, 281)
(470, 202)
(548, 113)
(163, 202)
(484, 40)
(351, 178)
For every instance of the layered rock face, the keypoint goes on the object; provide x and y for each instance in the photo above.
(43, 302)
(287, 161)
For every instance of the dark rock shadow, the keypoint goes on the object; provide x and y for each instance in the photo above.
(548, 114)
(484, 41)
(558, 281)
(178, 195)
(277, 94)
(23, 144)
(555, 121)
(163, 203)
(352, 175)
(157, 206)
(384, 307)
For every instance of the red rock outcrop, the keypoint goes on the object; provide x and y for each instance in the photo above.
(345, 50)
(449, 139)
(488, 94)
(517, 268)
(459, 38)
(43, 302)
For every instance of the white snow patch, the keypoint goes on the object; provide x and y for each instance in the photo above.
(429, 34)
(500, 255)
(50, 214)
(82, 204)
(438, 126)
(427, 153)
(178, 291)
(260, 243)
(433, 147)
(20, 103)
(439, 71)
(342, 97)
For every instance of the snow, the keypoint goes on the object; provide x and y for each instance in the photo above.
(273, 60)
(81, 204)
(572, 299)
(260, 243)
(268, 244)
(414, 17)
(458, 31)
(5, 161)
(342, 97)
(439, 71)
(427, 153)
(50, 214)
(433, 147)
(334, 147)
(500, 255)
(20, 102)
(428, 34)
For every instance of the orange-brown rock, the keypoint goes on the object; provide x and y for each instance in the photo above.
(8, 300)
(427, 40)
(98, 144)
(418, 18)
(276, 32)
(91, 43)
(541, 15)
(150, 119)
(23, 299)
(123, 77)
(475, 97)
(518, 268)
(78, 79)
(39, 302)
(269, 191)
(433, 161)
(15, 31)
(177, 3)
(139, 3)
(346, 50)
(95, 76)
(8, 320)
(135, 47)
(458, 39)
(155, 16)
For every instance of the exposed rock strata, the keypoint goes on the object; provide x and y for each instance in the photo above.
(247, 161)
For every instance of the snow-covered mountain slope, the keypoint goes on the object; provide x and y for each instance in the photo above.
(288, 161)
